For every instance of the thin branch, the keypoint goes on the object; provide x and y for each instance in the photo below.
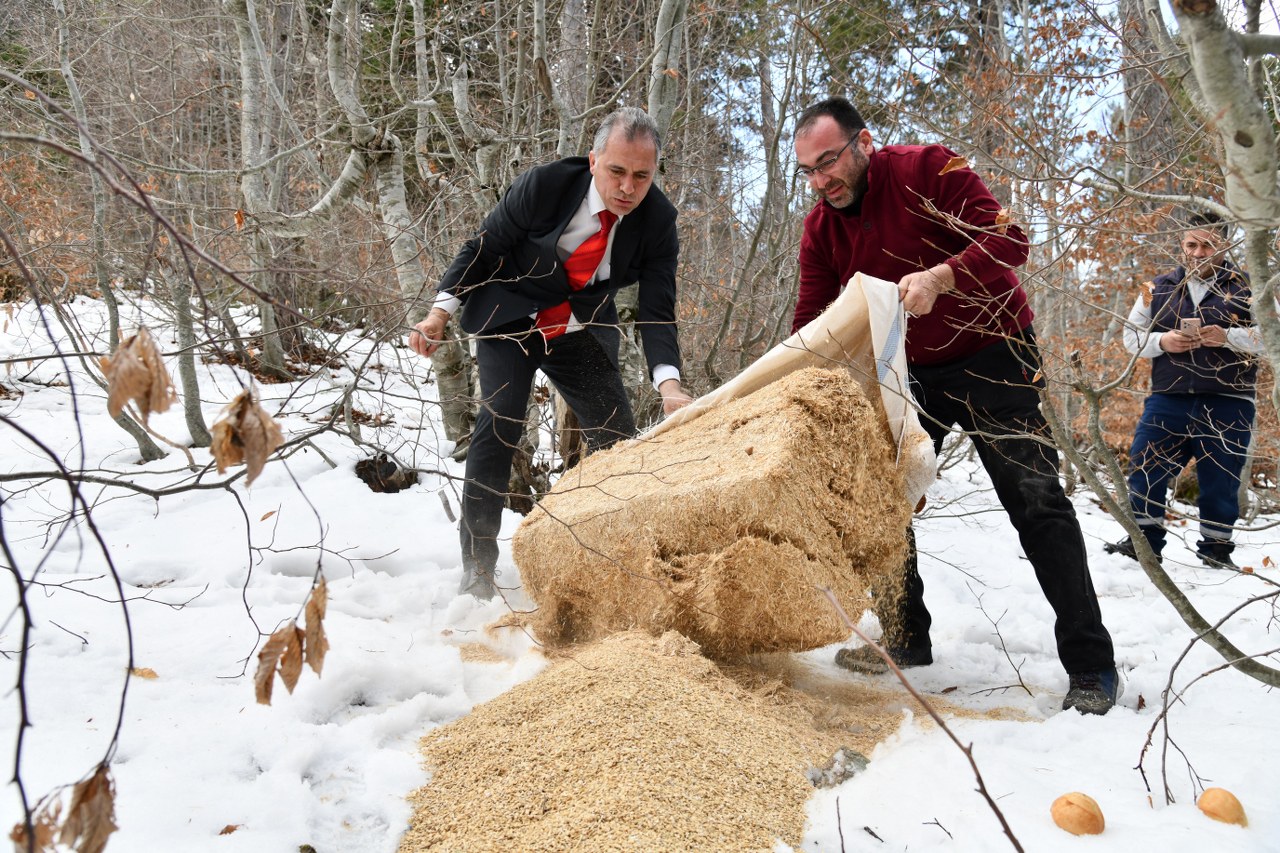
(937, 718)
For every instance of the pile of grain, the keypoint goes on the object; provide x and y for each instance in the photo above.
(727, 527)
(634, 743)
(641, 744)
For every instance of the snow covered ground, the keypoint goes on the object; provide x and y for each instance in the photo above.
(205, 570)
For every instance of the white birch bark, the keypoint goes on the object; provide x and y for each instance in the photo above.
(664, 70)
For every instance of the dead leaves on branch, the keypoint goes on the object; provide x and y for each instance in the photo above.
(91, 816)
(1003, 217)
(290, 647)
(317, 644)
(281, 648)
(135, 372)
(1148, 293)
(245, 433)
(89, 823)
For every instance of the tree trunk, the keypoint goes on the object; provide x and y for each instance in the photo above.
(180, 294)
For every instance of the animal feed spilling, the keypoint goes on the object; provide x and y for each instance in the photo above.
(725, 528)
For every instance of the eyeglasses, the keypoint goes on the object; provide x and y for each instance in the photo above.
(807, 173)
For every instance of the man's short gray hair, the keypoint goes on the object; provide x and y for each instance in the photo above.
(631, 122)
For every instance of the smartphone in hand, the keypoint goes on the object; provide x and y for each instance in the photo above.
(1189, 326)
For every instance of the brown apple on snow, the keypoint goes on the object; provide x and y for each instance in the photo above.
(1078, 814)
(1221, 804)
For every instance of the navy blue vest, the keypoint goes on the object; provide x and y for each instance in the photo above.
(1207, 370)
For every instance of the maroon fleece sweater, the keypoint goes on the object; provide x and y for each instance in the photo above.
(912, 218)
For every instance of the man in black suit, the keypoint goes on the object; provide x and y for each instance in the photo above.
(536, 288)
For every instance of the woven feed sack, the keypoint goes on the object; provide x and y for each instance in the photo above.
(726, 528)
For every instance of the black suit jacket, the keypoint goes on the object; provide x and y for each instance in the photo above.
(512, 269)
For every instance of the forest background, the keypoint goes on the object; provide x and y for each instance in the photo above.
(326, 161)
(320, 164)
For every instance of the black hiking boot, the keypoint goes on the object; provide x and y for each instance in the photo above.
(1216, 553)
(867, 660)
(1125, 548)
(1092, 692)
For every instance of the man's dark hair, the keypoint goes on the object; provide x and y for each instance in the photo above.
(845, 114)
(1209, 222)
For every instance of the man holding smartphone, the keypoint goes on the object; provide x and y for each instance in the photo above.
(1194, 323)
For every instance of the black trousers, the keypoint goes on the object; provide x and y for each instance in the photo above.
(577, 365)
(992, 396)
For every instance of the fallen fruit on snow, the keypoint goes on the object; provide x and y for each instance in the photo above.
(1221, 804)
(1078, 814)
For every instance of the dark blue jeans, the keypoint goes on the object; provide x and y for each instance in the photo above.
(992, 395)
(1214, 429)
(577, 365)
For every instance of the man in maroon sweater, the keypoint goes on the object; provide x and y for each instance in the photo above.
(919, 216)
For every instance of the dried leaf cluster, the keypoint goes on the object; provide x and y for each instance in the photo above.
(136, 372)
(89, 823)
(1003, 217)
(245, 433)
(1148, 292)
(290, 646)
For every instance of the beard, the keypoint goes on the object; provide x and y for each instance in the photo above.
(1206, 268)
(847, 188)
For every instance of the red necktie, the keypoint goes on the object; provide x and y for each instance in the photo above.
(578, 267)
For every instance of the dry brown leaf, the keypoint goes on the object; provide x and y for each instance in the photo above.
(955, 164)
(268, 515)
(229, 828)
(1148, 291)
(317, 644)
(1003, 218)
(239, 220)
(91, 815)
(44, 825)
(245, 433)
(291, 660)
(268, 659)
(135, 372)
(318, 603)
(143, 672)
